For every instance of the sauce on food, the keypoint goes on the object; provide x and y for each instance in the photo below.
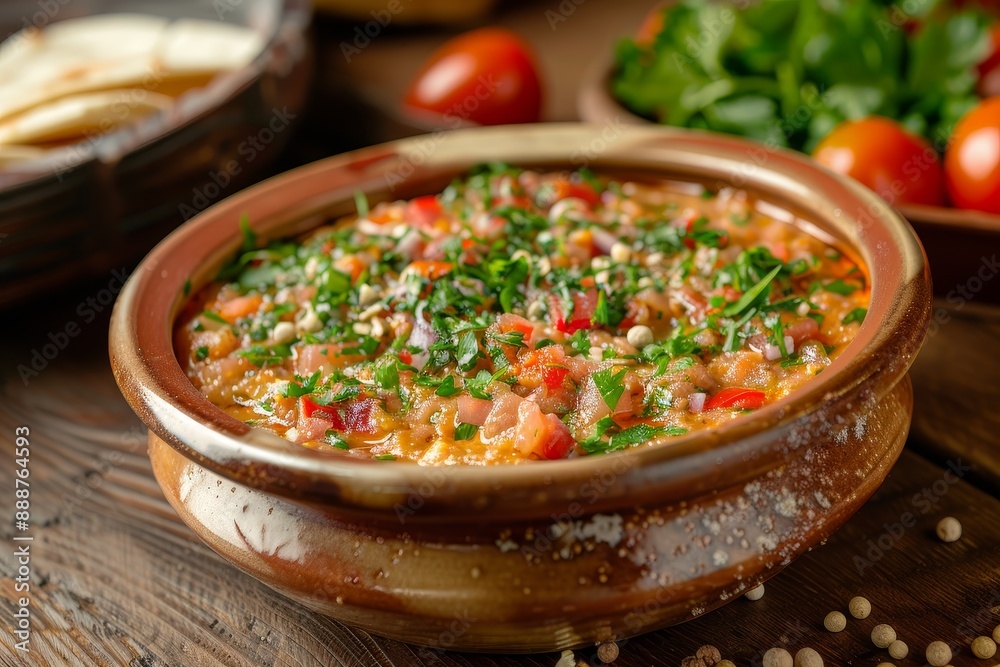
(521, 315)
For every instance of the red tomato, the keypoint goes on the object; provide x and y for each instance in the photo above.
(584, 304)
(559, 441)
(566, 189)
(652, 25)
(972, 163)
(900, 167)
(486, 76)
(423, 211)
(736, 398)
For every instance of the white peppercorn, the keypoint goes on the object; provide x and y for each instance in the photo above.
(984, 647)
(808, 657)
(755, 593)
(898, 649)
(778, 657)
(949, 529)
(859, 607)
(835, 621)
(883, 635)
(938, 654)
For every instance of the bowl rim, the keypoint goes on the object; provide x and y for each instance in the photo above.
(595, 104)
(150, 377)
(291, 17)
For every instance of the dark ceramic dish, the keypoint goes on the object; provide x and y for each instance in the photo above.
(87, 209)
(541, 556)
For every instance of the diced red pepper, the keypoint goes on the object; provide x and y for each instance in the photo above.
(423, 211)
(353, 416)
(736, 398)
(406, 357)
(566, 189)
(584, 304)
(554, 376)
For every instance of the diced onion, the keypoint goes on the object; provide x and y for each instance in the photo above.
(772, 352)
(789, 344)
(697, 401)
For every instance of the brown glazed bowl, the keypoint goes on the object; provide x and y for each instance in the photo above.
(542, 556)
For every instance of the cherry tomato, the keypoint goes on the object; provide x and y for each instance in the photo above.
(972, 163)
(355, 416)
(733, 398)
(878, 152)
(486, 76)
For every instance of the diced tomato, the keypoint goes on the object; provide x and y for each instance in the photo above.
(241, 306)
(406, 357)
(554, 376)
(803, 329)
(541, 434)
(354, 416)
(350, 265)
(584, 304)
(559, 440)
(566, 189)
(423, 211)
(509, 322)
(736, 398)
(430, 269)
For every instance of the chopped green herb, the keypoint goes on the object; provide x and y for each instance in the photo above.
(856, 315)
(201, 353)
(610, 385)
(465, 431)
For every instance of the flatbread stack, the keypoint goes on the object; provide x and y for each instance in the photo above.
(80, 79)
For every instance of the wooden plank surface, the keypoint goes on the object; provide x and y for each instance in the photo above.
(118, 580)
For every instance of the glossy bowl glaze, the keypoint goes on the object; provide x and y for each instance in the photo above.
(541, 556)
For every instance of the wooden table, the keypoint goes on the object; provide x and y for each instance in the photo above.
(116, 579)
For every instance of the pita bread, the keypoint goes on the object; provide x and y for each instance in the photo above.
(85, 114)
(115, 51)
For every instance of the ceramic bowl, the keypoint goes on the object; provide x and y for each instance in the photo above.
(542, 556)
(956, 239)
(98, 205)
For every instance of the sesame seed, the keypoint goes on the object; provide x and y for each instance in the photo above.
(949, 529)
